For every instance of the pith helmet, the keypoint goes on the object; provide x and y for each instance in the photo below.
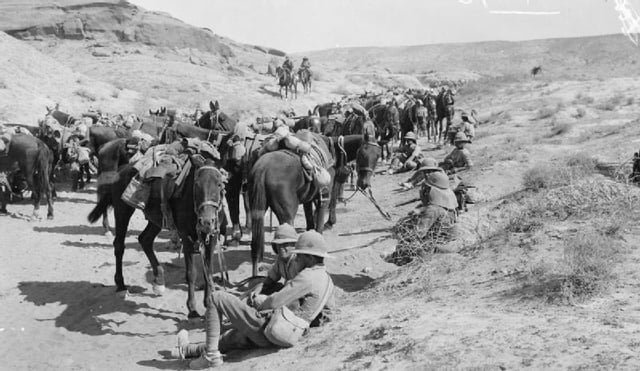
(410, 136)
(429, 164)
(312, 243)
(437, 179)
(285, 233)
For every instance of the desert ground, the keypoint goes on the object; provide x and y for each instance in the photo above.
(547, 276)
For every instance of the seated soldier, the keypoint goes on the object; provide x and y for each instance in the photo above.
(460, 158)
(408, 156)
(432, 222)
(306, 298)
(284, 238)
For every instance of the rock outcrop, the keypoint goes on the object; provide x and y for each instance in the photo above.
(106, 21)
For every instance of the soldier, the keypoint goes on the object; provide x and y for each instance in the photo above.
(460, 158)
(408, 156)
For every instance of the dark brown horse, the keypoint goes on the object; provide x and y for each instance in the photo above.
(277, 181)
(215, 119)
(196, 209)
(288, 81)
(63, 118)
(444, 110)
(35, 161)
(305, 78)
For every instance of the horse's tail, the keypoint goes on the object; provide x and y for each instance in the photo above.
(104, 201)
(43, 170)
(258, 206)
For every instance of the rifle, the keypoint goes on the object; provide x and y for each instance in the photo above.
(408, 202)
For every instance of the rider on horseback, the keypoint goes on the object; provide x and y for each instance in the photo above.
(287, 65)
(305, 65)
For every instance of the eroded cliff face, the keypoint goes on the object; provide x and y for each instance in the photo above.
(106, 21)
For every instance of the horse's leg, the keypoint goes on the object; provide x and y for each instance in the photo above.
(122, 213)
(247, 211)
(146, 239)
(333, 200)
(35, 193)
(233, 201)
(308, 215)
(320, 213)
(191, 274)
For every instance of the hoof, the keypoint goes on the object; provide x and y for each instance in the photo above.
(328, 226)
(122, 294)
(159, 289)
(49, 217)
(194, 317)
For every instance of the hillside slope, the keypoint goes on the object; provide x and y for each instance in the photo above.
(29, 81)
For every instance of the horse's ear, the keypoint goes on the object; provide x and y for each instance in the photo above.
(310, 113)
(217, 105)
(48, 109)
(57, 107)
(151, 112)
(212, 106)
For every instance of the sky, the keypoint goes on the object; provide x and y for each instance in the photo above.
(304, 25)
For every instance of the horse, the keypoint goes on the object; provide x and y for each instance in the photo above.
(34, 159)
(432, 129)
(63, 118)
(288, 81)
(408, 120)
(384, 128)
(535, 71)
(216, 119)
(444, 110)
(326, 109)
(305, 78)
(277, 181)
(196, 209)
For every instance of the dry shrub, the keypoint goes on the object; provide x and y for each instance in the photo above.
(597, 197)
(585, 269)
(413, 241)
(549, 176)
(498, 117)
(588, 261)
(559, 129)
(612, 103)
(583, 99)
(86, 94)
(580, 113)
(3, 85)
(545, 113)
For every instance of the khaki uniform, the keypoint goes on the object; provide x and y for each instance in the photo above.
(459, 158)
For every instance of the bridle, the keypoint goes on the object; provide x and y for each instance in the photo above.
(215, 231)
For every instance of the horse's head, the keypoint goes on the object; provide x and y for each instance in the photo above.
(208, 191)
(366, 160)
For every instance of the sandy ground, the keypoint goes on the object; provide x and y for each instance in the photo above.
(472, 310)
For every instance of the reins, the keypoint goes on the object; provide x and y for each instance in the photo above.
(222, 262)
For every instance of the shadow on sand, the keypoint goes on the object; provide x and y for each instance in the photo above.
(87, 305)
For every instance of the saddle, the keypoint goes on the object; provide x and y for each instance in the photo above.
(315, 156)
(161, 174)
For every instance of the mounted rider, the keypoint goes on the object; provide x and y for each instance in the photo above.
(305, 65)
(287, 65)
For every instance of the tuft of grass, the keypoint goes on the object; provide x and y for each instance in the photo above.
(86, 94)
(612, 103)
(559, 129)
(3, 85)
(580, 113)
(583, 99)
(549, 112)
(588, 262)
